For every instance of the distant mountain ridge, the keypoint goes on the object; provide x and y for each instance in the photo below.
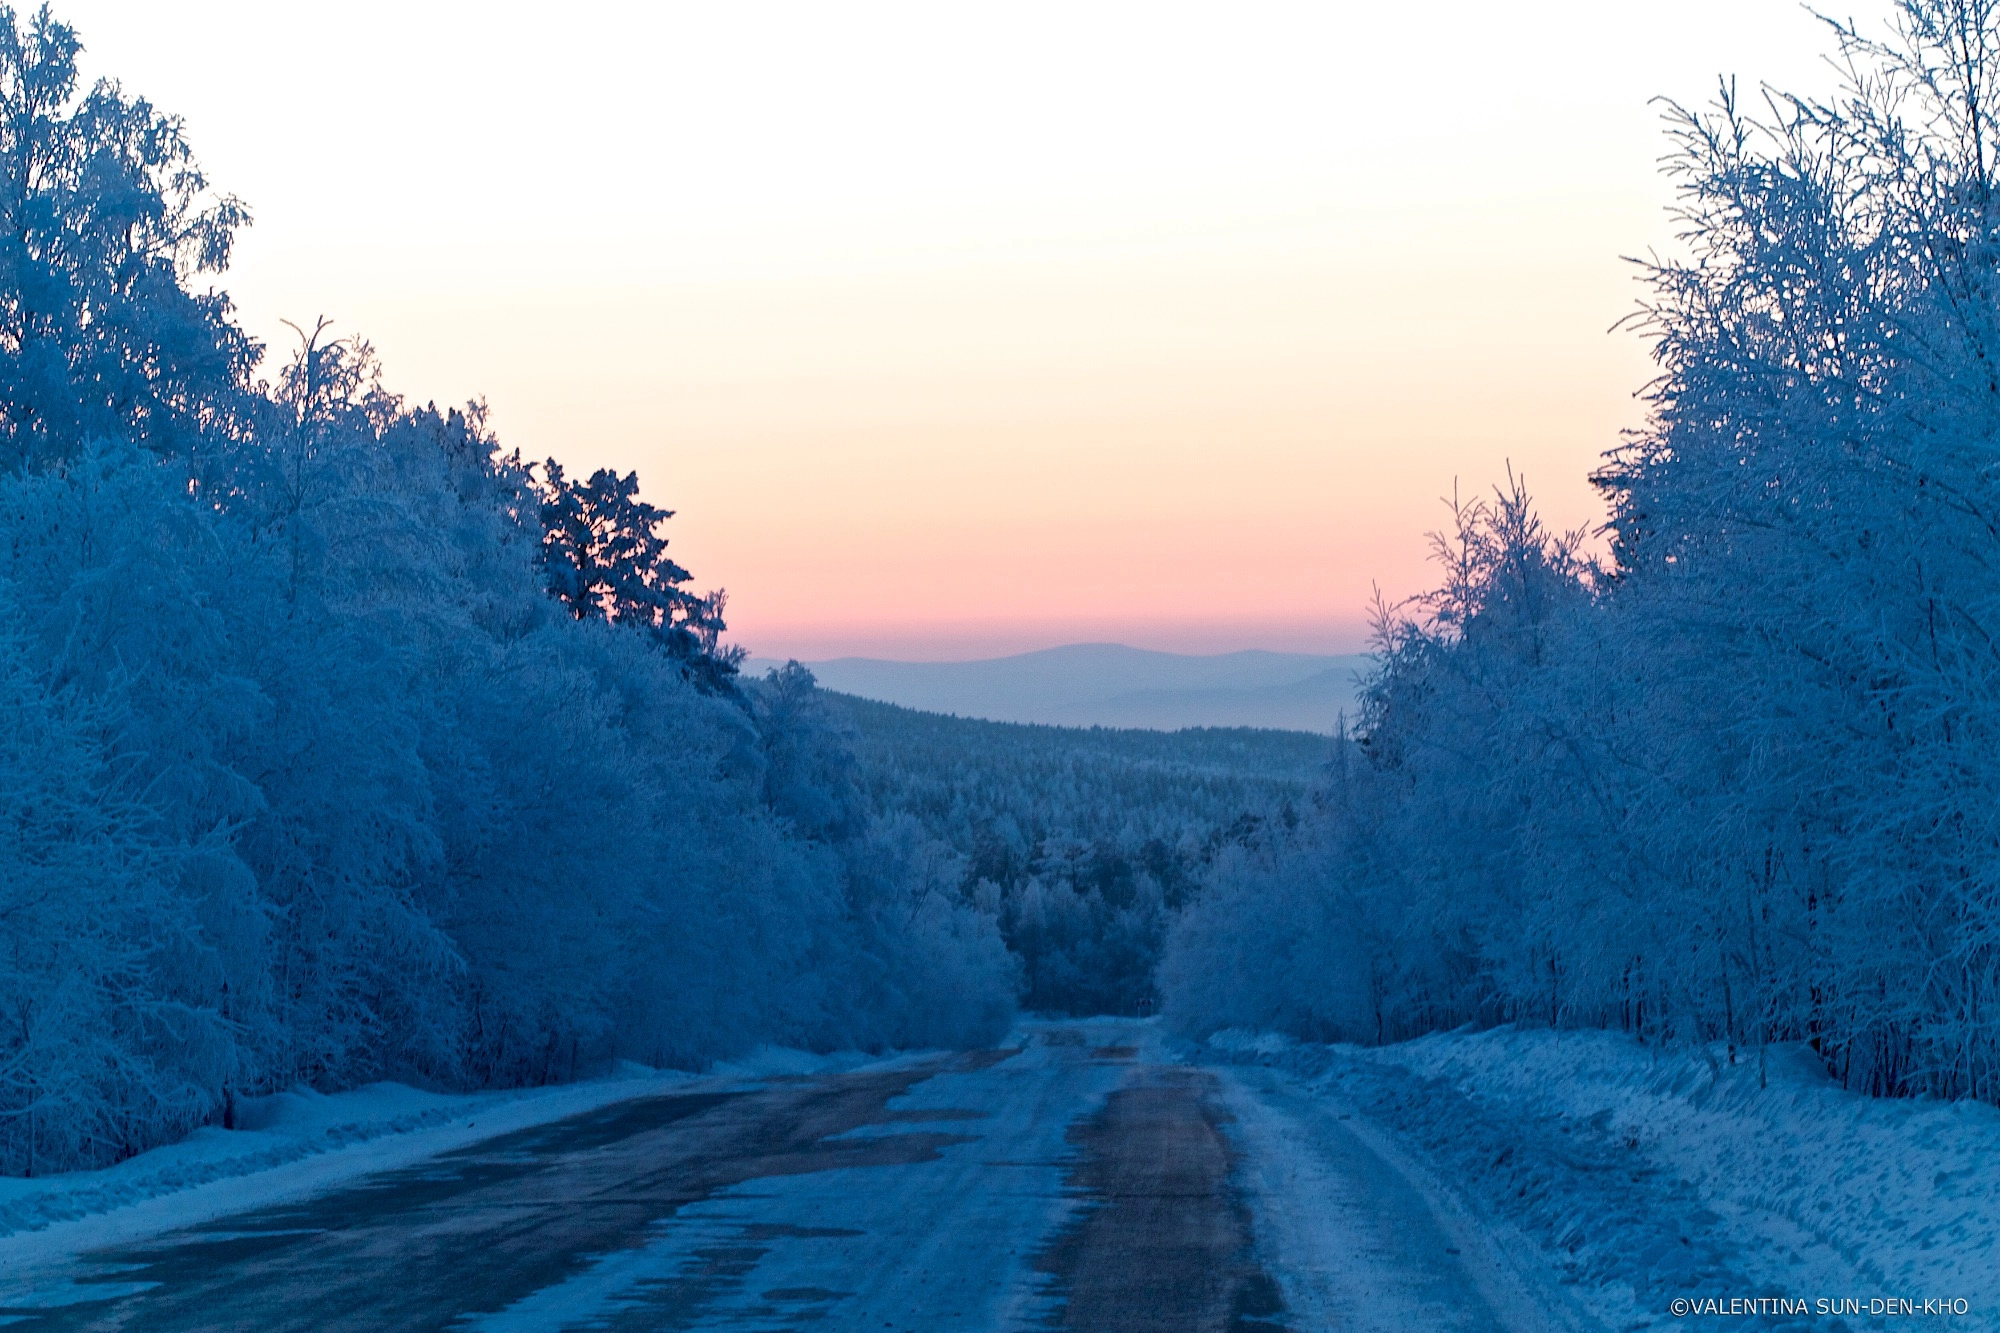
(1111, 685)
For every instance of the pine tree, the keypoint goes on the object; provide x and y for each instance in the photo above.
(604, 555)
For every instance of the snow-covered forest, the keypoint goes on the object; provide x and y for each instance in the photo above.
(1738, 780)
(341, 744)
(1082, 844)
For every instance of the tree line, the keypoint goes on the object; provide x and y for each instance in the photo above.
(1737, 781)
(1083, 845)
(338, 743)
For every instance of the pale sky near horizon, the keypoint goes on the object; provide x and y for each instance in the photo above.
(952, 330)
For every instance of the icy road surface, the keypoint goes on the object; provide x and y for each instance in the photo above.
(1075, 1178)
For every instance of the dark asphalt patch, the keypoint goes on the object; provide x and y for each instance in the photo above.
(975, 1062)
(1163, 1245)
(786, 1231)
(804, 1294)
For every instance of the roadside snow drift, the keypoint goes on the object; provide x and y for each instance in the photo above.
(1653, 1175)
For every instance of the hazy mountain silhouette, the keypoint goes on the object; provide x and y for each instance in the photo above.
(1110, 685)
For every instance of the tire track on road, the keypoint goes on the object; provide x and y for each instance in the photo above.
(1164, 1244)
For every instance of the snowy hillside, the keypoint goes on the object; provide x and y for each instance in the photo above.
(1083, 844)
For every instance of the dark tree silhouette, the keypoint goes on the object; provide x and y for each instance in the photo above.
(604, 556)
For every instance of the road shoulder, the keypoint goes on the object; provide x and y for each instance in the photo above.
(1363, 1234)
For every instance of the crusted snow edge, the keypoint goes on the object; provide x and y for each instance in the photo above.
(215, 1172)
(1645, 1174)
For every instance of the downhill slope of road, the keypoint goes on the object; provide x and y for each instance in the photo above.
(1074, 1178)
(1111, 685)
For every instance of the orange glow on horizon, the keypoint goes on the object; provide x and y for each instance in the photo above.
(949, 331)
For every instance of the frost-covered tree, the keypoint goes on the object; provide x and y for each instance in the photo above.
(1742, 786)
(109, 222)
(1081, 845)
(1812, 512)
(308, 775)
(107, 1036)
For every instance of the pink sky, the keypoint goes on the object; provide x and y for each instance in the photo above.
(953, 330)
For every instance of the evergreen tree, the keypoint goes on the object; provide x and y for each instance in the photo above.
(604, 554)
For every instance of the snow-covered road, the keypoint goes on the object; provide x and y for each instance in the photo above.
(1075, 1178)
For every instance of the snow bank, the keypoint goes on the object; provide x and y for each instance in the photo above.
(1907, 1193)
(1652, 1175)
(298, 1143)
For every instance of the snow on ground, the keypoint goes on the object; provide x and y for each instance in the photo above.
(294, 1144)
(1649, 1175)
(1360, 1237)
